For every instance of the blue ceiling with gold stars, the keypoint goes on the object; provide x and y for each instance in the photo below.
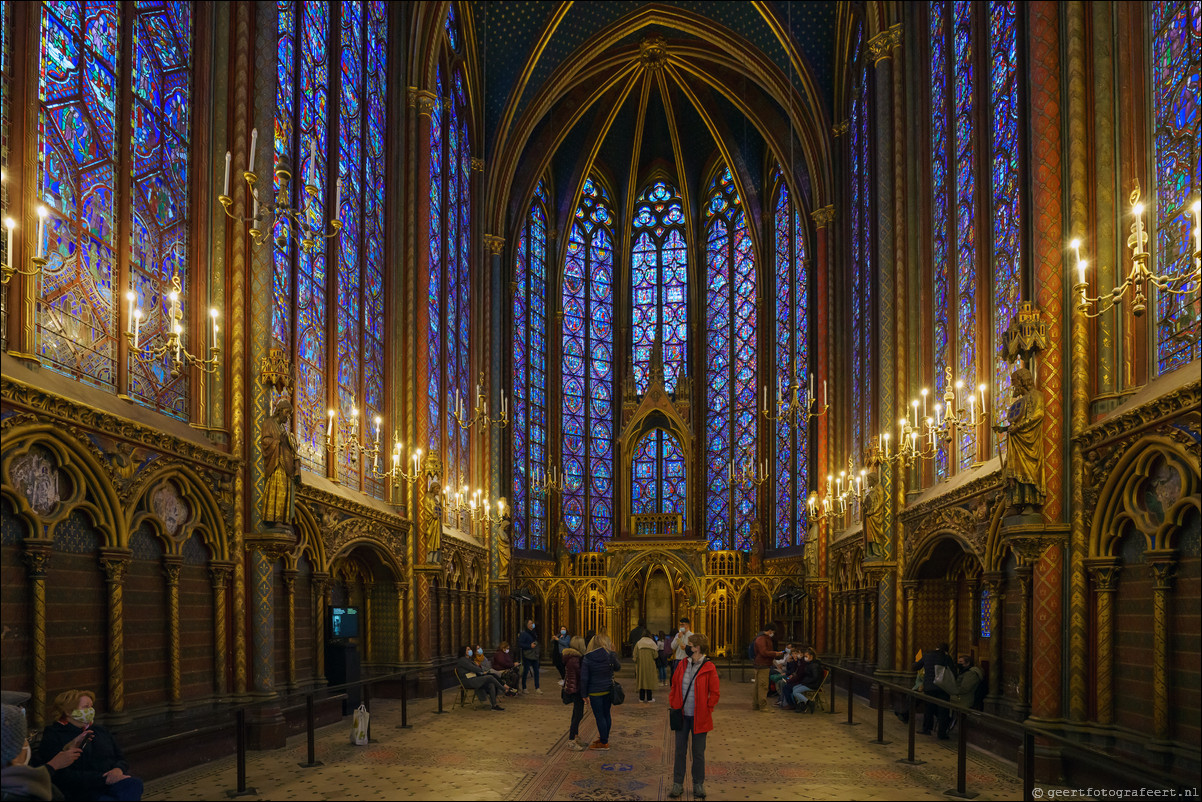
(511, 30)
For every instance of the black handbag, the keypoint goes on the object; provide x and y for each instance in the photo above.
(676, 714)
(618, 695)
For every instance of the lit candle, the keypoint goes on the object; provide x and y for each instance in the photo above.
(213, 315)
(137, 326)
(504, 410)
(312, 156)
(1081, 274)
(938, 409)
(1197, 207)
(41, 246)
(396, 460)
(379, 421)
(10, 224)
(338, 198)
(254, 141)
(983, 407)
(330, 425)
(173, 296)
(254, 209)
(765, 399)
(178, 340)
(914, 404)
(824, 392)
(972, 409)
(924, 402)
(129, 318)
(1139, 229)
(1076, 246)
(885, 440)
(226, 191)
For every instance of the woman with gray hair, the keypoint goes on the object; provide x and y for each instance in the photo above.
(692, 699)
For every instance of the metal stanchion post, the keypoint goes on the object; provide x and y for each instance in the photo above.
(240, 735)
(909, 758)
(404, 725)
(438, 687)
(367, 704)
(311, 736)
(850, 722)
(880, 715)
(961, 790)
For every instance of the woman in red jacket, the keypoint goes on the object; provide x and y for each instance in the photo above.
(695, 693)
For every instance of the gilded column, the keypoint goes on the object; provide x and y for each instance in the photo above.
(1105, 573)
(974, 612)
(1079, 223)
(873, 652)
(369, 638)
(37, 560)
(400, 629)
(289, 577)
(951, 590)
(500, 291)
(1023, 573)
(823, 218)
(892, 625)
(219, 578)
(172, 563)
(321, 586)
(263, 620)
(910, 591)
(995, 582)
(115, 562)
(1164, 563)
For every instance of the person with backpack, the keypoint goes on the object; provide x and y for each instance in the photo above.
(762, 654)
(938, 674)
(695, 694)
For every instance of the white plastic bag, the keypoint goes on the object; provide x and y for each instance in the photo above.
(359, 721)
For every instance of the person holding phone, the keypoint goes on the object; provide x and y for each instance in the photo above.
(100, 772)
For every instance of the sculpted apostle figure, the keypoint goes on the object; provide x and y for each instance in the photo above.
(503, 544)
(281, 466)
(1024, 471)
(872, 514)
(432, 508)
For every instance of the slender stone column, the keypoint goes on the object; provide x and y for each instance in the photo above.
(321, 586)
(219, 578)
(263, 621)
(289, 577)
(910, 591)
(1164, 563)
(172, 564)
(823, 218)
(995, 582)
(37, 560)
(115, 562)
(400, 630)
(952, 593)
(1105, 572)
(1023, 573)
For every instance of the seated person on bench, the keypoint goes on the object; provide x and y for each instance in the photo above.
(486, 667)
(808, 678)
(485, 685)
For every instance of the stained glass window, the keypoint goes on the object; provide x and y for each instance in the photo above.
(1176, 50)
(984, 611)
(529, 415)
(305, 320)
(966, 210)
(940, 209)
(658, 482)
(730, 391)
(659, 283)
(78, 87)
(587, 372)
(1007, 209)
(862, 284)
(793, 366)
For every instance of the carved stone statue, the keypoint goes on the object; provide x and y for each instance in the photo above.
(563, 560)
(755, 559)
(431, 523)
(504, 544)
(809, 555)
(872, 515)
(1023, 473)
(281, 467)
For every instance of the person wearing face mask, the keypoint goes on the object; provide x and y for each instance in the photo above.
(528, 646)
(645, 650)
(100, 772)
(571, 689)
(694, 693)
(19, 779)
(764, 655)
(485, 685)
(560, 643)
(503, 661)
(486, 667)
(807, 677)
(661, 659)
(679, 642)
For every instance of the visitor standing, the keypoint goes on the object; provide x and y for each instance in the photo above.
(528, 647)
(764, 655)
(930, 662)
(560, 643)
(572, 690)
(597, 682)
(681, 640)
(645, 674)
(694, 693)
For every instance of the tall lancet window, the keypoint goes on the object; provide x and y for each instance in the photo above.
(336, 338)
(730, 376)
(529, 426)
(587, 372)
(80, 88)
(450, 283)
(1176, 49)
(792, 364)
(659, 308)
(863, 331)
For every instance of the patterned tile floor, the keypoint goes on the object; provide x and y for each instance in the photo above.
(522, 754)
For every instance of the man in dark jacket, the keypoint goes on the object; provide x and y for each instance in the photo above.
(807, 678)
(528, 647)
(930, 661)
(637, 634)
(764, 655)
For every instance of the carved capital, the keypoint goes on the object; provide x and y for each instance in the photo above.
(495, 245)
(478, 164)
(823, 217)
(880, 47)
(37, 559)
(271, 543)
(423, 99)
(1164, 565)
(171, 568)
(115, 562)
(1105, 573)
(288, 575)
(219, 574)
(910, 588)
(839, 129)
